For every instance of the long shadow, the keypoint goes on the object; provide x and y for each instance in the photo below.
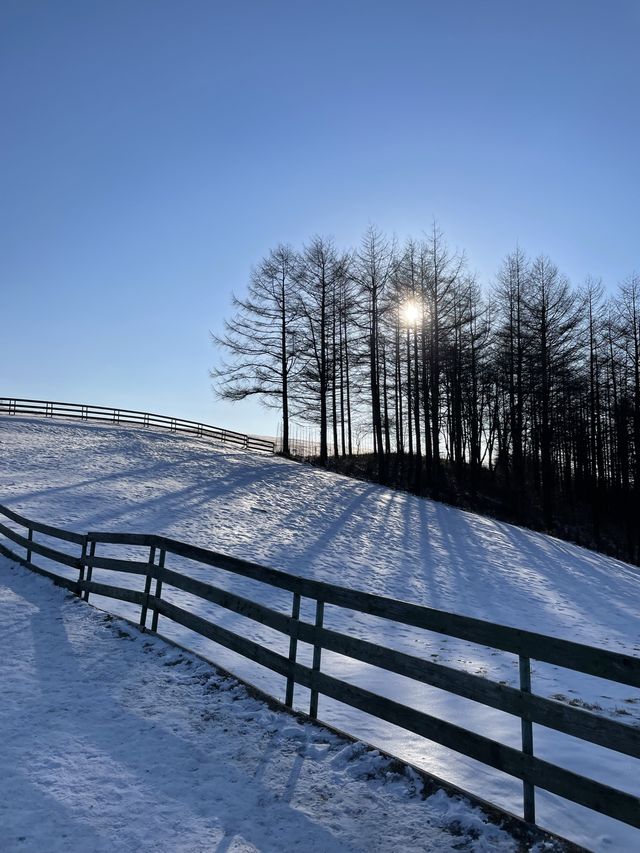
(576, 580)
(15, 832)
(330, 524)
(499, 572)
(110, 735)
(178, 504)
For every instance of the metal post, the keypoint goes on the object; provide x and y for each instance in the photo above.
(158, 593)
(317, 654)
(147, 588)
(293, 647)
(528, 789)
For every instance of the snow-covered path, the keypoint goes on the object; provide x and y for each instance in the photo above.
(113, 742)
(320, 525)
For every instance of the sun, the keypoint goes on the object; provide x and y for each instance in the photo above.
(410, 313)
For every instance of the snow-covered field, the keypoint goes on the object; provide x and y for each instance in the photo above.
(320, 525)
(113, 742)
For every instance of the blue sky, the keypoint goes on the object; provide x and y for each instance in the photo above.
(151, 152)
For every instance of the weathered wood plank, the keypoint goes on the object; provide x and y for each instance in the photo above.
(293, 647)
(530, 708)
(587, 792)
(229, 600)
(59, 580)
(547, 712)
(132, 567)
(317, 657)
(39, 548)
(14, 536)
(54, 554)
(566, 653)
(92, 553)
(526, 729)
(120, 593)
(46, 529)
(254, 651)
(158, 591)
(147, 588)
(600, 662)
(143, 539)
(573, 721)
(602, 798)
(11, 555)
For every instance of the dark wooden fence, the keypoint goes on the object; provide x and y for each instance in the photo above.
(49, 409)
(526, 645)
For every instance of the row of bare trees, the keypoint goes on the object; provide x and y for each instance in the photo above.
(531, 383)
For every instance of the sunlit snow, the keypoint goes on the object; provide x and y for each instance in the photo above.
(321, 525)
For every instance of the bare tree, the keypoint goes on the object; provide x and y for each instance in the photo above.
(442, 271)
(260, 339)
(320, 271)
(374, 265)
(511, 341)
(528, 400)
(553, 314)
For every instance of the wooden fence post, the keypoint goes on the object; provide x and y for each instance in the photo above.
(526, 725)
(81, 567)
(30, 538)
(293, 647)
(520, 763)
(147, 588)
(317, 654)
(92, 553)
(158, 593)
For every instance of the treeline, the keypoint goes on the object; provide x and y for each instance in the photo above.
(522, 398)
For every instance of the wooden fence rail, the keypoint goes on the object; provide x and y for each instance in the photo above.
(80, 411)
(525, 645)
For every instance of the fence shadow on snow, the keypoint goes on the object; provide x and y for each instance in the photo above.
(79, 572)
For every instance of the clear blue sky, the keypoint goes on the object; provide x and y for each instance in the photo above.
(152, 151)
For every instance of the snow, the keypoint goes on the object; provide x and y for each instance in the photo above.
(114, 741)
(327, 527)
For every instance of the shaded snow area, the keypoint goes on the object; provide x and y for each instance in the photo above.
(331, 528)
(113, 741)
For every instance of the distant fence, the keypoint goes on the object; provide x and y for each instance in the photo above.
(48, 409)
(526, 645)
(304, 441)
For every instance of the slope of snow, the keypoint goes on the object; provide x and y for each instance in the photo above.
(112, 741)
(320, 525)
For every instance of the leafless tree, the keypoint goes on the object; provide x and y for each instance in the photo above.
(261, 339)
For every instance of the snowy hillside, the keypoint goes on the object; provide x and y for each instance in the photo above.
(320, 525)
(113, 742)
